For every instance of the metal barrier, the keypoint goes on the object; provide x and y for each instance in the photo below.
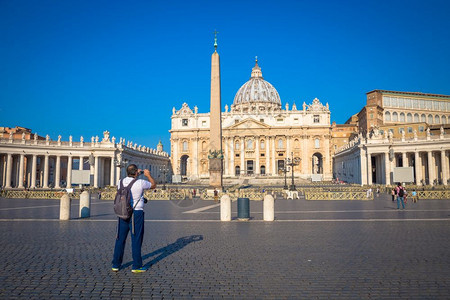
(338, 196)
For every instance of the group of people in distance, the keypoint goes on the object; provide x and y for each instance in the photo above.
(399, 193)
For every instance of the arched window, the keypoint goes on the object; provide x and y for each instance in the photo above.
(430, 119)
(409, 118)
(416, 118)
(203, 146)
(296, 144)
(395, 117)
(444, 120)
(423, 118)
(316, 143)
(262, 145)
(437, 120)
(185, 146)
(280, 143)
(402, 117)
(236, 145)
(387, 116)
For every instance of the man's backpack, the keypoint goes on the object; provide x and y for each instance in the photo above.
(122, 201)
(401, 192)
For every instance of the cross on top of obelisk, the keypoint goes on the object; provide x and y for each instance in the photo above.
(215, 40)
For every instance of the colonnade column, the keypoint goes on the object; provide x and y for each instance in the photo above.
(95, 167)
(21, 160)
(257, 170)
(111, 177)
(430, 167)
(69, 172)
(369, 168)
(387, 169)
(8, 170)
(444, 167)
(418, 167)
(404, 159)
(364, 171)
(46, 168)
(243, 155)
(58, 172)
(33, 171)
(80, 165)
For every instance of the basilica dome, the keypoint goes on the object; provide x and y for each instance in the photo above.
(256, 94)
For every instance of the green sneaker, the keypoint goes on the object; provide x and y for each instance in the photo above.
(140, 270)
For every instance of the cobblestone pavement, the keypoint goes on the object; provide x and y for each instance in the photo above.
(314, 250)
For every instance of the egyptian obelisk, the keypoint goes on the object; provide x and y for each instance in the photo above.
(215, 131)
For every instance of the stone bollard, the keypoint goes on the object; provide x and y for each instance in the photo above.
(225, 208)
(64, 208)
(85, 204)
(269, 208)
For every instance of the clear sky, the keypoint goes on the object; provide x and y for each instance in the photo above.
(81, 67)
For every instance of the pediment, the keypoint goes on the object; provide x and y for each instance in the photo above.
(249, 123)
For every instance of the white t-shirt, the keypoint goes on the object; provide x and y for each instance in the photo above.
(137, 191)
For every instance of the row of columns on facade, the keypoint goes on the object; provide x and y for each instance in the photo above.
(44, 181)
(431, 166)
(116, 171)
(229, 154)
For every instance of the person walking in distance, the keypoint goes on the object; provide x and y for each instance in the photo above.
(135, 224)
(401, 192)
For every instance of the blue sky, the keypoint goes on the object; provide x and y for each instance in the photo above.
(82, 67)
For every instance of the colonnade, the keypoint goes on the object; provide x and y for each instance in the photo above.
(19, 170)
(430, 167)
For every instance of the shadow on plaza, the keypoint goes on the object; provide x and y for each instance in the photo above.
(167, 250)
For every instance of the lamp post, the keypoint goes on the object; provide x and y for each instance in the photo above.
(293, 161)
(163, 170)
(120, 163)
(285, 170)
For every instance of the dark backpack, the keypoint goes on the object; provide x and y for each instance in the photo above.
(401, 192)
(122, 201)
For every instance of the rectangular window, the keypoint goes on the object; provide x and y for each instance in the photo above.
(184, 122)
(401, 102)
(237, 154)
(421, 128)
(391, 130)
(381, 131)
(261, 120)
(410, 130)
(316, 118)
(295, 120)
(401, 129)
(203, 123)
(387, 101)
(262, 154)
(279, 120)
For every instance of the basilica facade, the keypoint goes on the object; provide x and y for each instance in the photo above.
(259, 136)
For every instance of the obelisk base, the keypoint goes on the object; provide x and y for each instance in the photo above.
(215, 172)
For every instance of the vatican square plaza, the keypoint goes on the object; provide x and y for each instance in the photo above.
(256, 198)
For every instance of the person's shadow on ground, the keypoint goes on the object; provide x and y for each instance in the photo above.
(167, 250)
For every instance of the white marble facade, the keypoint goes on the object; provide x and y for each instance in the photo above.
(258, 134)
